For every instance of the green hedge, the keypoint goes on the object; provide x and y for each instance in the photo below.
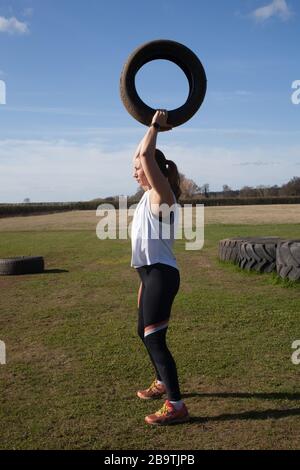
(239, 201)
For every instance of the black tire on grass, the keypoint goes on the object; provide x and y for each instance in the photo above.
(21, 265)
(229, 248)
(288, 260)
(259, 254)
(181, 56)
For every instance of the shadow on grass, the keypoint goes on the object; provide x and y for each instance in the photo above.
(51, 271)
(266, 414)
(264, 396)
(46, 271)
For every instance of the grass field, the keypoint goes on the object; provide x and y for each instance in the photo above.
(74, 360)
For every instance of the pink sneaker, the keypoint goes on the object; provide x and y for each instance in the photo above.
(169, 415)
(153, 392)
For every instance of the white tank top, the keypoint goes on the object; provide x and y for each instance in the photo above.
(151, 239)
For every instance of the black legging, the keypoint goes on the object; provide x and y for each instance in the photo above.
(160, 284)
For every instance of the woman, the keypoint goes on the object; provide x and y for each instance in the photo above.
(156, 265)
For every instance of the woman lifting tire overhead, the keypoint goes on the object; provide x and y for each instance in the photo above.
(152, 238)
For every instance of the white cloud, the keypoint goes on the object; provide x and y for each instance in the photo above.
(13, 26)
(258, 163)
(66, 170)
(277, 8)
(53, 170)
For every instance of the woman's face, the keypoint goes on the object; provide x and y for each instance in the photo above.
(138, 173)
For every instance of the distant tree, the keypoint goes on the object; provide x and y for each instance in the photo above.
(291, 188)
(188, 187)
(26, 200)
(261, 190)
(247, 191)
(227, 191)
(204, 189)
(273, 191)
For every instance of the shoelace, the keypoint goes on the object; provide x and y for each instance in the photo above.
(153, 386)
(164, 410)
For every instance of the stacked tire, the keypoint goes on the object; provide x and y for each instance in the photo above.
(263, 254)
(258, 254)
(229, 248)
(288, 260)
(250, 253)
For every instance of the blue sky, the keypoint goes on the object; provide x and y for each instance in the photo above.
(65, 134)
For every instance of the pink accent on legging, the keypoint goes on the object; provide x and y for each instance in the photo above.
(155, 327)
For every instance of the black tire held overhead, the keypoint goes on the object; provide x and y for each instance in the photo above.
(259, 254)
(288, 259)
(21, 265)
(181, 56)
